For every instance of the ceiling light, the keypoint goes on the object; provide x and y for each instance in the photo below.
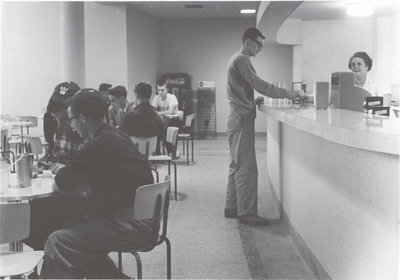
(359, 9)
(248, 11)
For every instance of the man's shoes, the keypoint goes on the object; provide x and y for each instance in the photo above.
(253, 220)
(230, 213)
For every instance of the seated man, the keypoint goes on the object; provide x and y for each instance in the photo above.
(167, 106)
(105, 174)
(143, 121)
(103, 90)
(119, 105)
(51, 213)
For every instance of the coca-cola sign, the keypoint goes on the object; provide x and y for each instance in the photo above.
(177, 81)
(180, 80)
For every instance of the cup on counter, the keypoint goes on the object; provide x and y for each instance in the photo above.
(24, 169)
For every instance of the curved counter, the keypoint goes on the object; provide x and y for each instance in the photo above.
(335, 174)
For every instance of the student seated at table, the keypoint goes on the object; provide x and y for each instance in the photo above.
(62, 141)
(51, 213)
(119, 105)
(103, 90)
(143, 121)
(105, 174)
(167, 106)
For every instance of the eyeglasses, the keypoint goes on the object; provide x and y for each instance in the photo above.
(259, 44)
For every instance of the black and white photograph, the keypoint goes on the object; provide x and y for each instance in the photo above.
(200, 139)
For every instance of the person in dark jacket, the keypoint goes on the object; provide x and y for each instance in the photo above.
(105, 175)
(143, 121)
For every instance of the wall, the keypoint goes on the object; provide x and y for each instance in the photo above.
(328, 45)
(31, 56)
(202, 49)
(143, 49)
(106, 44)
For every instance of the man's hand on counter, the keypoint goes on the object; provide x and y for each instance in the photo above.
(292, 94)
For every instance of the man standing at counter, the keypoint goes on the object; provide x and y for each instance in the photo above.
(241, 195)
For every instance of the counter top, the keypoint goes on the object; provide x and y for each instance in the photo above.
(350, 128)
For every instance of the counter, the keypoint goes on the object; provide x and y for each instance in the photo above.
(335, 174)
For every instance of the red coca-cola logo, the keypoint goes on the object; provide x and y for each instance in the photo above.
(177, 81)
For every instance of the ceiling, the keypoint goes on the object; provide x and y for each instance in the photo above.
(308, 10)
(330, 10)
(199, 9)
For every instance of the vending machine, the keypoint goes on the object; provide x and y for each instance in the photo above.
(182, 89)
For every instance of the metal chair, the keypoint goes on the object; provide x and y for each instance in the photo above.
(6, 153)
(152, 202)
(146, 146)
(32, 119)
(188, 135)
(172, 138)
(15, 219)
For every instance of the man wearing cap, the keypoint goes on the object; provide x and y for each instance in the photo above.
(119, 105)
(63, 141)
(241, 196)
(144, 120)
(50, 213)
(105, 174)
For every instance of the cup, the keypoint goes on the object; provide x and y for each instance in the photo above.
(24, 168)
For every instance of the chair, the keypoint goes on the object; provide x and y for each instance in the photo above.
(147, 146)
(171, 138)
(188, 135)
(15, 219)
(5, 146)
(32, 119)
(152, 201)
(33, 145)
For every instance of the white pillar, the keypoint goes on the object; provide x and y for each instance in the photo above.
(72, 42)
(297, 63)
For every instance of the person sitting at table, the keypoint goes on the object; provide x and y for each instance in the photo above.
(119, 105)
(167, 106)
(103, 90)
(105, 174)
(361, 63)
(62, 141)
(50, 213)
(143, 121)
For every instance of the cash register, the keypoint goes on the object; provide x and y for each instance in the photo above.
(345, 94)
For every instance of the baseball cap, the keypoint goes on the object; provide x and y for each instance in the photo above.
(89, 102)
(63, 91)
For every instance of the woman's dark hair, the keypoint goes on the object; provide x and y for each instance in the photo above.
(364, 56)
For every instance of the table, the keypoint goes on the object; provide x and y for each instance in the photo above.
(41, 187)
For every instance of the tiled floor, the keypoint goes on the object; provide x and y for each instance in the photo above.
(206, 245)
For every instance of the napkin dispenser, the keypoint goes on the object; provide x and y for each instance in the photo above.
(321, 95)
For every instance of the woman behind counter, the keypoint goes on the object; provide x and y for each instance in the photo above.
(360, 63)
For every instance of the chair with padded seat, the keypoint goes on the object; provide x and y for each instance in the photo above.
(152, 202)
(146, 145)
(14, 227)
(186, 135)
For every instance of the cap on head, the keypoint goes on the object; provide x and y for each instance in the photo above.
(88, 102)
(62, 92)
(118, 91)
(252, 33)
